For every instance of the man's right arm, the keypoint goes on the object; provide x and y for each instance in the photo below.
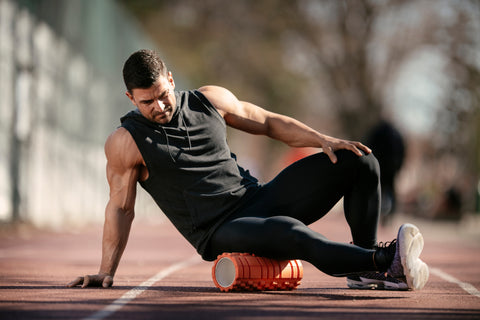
(123, 168)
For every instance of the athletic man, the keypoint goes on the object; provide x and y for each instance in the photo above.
(174, 145)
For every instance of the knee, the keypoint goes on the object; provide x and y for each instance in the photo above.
(369, 170)
(370, 164)
(367, 166)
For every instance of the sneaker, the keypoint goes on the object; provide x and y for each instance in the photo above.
(376, 280)
(406, 262)
(379, 280)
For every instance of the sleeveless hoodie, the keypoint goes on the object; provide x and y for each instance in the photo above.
(192, 175)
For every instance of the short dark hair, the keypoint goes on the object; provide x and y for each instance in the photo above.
(142, 69)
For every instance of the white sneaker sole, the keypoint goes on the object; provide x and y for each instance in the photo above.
(410, 245)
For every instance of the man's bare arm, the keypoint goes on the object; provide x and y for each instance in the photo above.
(123, 168)
(250, 118)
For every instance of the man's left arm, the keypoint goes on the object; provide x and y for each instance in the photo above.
(250, 118)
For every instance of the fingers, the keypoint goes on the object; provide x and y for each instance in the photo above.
(104, 281)
(76, 282)
(86, 281)
(107, 282)
(93, 281)
(354, 146)
(331, 154)
(363, 147)
(355, 149)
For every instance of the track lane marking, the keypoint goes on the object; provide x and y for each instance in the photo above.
(133, 293)
(470, 289)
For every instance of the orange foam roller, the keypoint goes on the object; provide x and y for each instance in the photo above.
(244, 271)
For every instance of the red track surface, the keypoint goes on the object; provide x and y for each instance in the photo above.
(35, 266)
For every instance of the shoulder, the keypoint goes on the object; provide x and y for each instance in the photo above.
(117, 138)
(216, 93)
(121, 149)
(221, 98)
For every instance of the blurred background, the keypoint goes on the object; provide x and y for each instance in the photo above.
(401, 76)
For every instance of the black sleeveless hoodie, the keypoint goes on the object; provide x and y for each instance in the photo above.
(193, 176)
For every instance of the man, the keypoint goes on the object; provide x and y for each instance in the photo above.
(174, 145)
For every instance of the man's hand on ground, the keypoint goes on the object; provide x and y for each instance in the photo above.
(92, 280)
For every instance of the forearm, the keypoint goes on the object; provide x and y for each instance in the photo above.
(250, 118)
(294, 133)
(115, 237)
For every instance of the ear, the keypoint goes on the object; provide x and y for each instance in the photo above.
(129, 95)
(170, 79)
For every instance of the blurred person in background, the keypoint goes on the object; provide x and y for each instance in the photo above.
(174, 145)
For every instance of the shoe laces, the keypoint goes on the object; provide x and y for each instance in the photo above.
(387, 244)
(385, 251)
(391, 245)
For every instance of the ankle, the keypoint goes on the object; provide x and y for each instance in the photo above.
(382, 259)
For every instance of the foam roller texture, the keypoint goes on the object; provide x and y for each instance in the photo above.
(247, 272)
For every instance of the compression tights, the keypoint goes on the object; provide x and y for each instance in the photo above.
(274, 223)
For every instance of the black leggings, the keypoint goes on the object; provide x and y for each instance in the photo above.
(274, 222)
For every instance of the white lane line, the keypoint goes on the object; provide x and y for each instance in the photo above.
(133, 293)
(464, 285)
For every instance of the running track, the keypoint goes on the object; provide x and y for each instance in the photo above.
(160, 277)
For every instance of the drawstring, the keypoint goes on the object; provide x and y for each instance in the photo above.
(188, 135)
(168, 142)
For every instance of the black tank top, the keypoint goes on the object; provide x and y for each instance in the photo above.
(192, 175)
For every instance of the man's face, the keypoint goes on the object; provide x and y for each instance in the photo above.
(158, 102)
